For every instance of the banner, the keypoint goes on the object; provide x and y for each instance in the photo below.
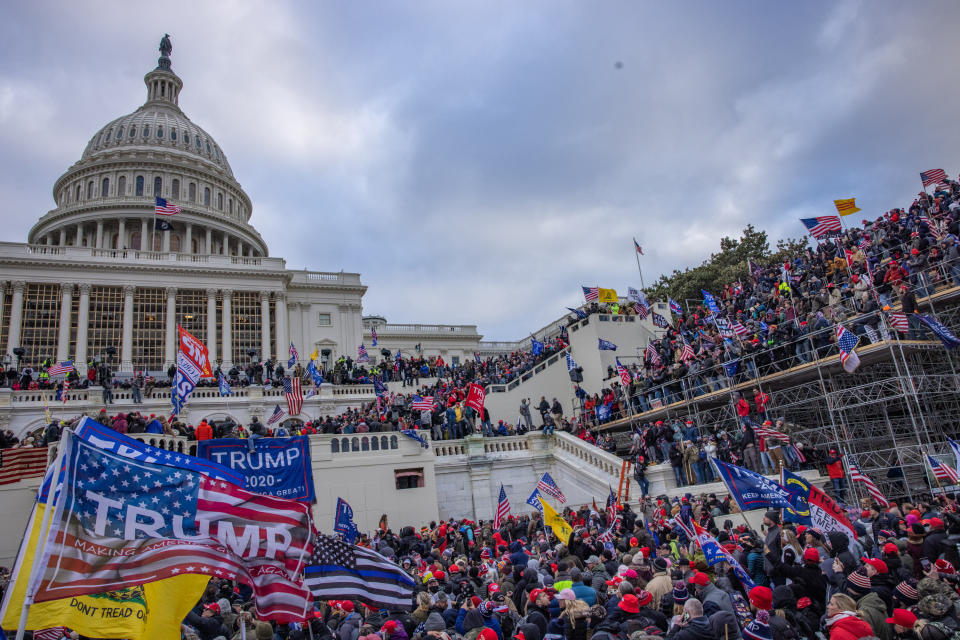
(814, 508)
(120, 523)
(716, 554)
(278, 467)
(608, 296)
(475, 398)
(561, 528)
(193, 363)
(343, 523)
(752, 490)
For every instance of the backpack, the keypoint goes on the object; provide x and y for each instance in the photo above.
(945, 631)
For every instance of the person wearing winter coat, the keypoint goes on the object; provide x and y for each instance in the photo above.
(869, 605)
(842, 622)
(692, 624)
(707, 592)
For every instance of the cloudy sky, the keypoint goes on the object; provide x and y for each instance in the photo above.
(477, 161)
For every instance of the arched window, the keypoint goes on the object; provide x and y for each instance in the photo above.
(139, 190)
(122, 186)
(133, 132)
(109, 133)
(364, 444)
(175, 242)
(90, 189)
(220, 201)
(157, 185)
(76, 198)
(230, 207)
(193, 192)
(194, 245)
(344, 444)
(105, 188)
(383, 443)
(375, 443)
(186, 138)
(206, 196)
(334, 446)
(208, 148)
(159, 131)
(146, 131)
(119, 133)
(356, 444)
(197, 140)
(173, 134)
(393, 442)
(175, 189)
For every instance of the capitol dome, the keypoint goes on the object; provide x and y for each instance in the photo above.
(106, 200)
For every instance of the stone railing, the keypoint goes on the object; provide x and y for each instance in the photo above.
(445, 448)
(126, 256)
(594, 456)
(388, 329)
(477, 445)
(506, 444)
(513, 384)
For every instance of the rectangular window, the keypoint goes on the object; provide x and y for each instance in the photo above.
(40, 322)
(105, 328)
(245, 317)
(150, 312)
(455, 361)
(192, 312)
(408, 478)
(324, 320)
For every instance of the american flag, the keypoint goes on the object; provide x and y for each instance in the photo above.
(549, 487)
(294, 356)
(373, 334)
(864, 241)
(22, 463)
(687, 352)
(60, 368)
(591, 293)
(53, 633)
(277, 414)
(767, 432)
(611, 504)
(623, 373)
(846, 342)
(738, 328)
(641, 310)
(858, 476)
(636, 245)
(341, 571)
(899, 322)
(362, 355)
(821, 225)
(125, 522)
(503, 509)
(164, 208)
(660, 321)
(932, 177)
(424, 403)
(653, 356)
(942, 471)
(294, 394)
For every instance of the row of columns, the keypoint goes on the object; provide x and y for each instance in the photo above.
(170, 333)
(146, 238)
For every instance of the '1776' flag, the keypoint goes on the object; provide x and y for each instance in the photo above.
(120, 522)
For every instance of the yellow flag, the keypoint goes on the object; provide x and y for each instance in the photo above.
(152, 611)
(608, 295)
(846, 207)
(552, 519)
(314, 355)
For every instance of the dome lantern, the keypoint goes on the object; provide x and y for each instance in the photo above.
(163, 85)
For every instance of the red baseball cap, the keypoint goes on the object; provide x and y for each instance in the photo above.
(761, 597)
(879, 565)
(700, 579)
(891, 549)
(811, 555)
(902, 617)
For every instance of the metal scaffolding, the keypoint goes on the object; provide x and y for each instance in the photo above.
(899, 405)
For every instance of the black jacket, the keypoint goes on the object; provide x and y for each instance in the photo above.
(696, 629)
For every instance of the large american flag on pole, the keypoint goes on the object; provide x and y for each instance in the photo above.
(932, 177)
(821, 225)
(120, 522)
(424, 403)
(503, 509)
(858, 476)
(942, 471)
(899, 322)
(164, 208)
(61, 368)
(341, 571)
(590, 294)
(294, 394)
(22, 463)
(549, 487)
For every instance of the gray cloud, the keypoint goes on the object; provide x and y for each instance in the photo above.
(477, 162)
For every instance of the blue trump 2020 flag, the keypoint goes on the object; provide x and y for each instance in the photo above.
(606, 345)
(949, 340)
(752, 490)
(710, 301)
(224, 386)
(534, 500)
(344, 524)
(536, 347)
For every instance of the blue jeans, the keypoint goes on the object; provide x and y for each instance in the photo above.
(137, 399)
(548, 429)
(680, 475)
(644, 486)
(253, 436)
(839, 488)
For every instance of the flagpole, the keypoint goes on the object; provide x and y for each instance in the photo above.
(637, 254)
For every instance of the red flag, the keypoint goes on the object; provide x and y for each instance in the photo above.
(196, 351)
(475, 398)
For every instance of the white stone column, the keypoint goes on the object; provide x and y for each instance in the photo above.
(227, 335)
(16, 316)
(166, 241)
(98, 240)
(63, 335)
(212, 322)
(188, 246)
(122, 234)
(264, 325)
(283, 339)
(79, 234)
(305, 337)
(225, 250)
(63, 236)
(83, 320)
(170, 342)
(126, 346)
(209, 243)
(240, 248)
(144, 236)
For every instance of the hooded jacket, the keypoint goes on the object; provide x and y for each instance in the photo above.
(695, 629)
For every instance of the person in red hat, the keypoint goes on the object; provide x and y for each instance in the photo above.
(706, 592)
(934, 542)
(902, 621)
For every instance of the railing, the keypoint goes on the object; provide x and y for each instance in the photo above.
(540, 366)
(17, 250)
(387, 329)
(506, 444)
(95, 394)
(449, 448)
(594, 456)
(311, 278)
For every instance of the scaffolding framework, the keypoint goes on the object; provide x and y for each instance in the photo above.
(898, 406)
